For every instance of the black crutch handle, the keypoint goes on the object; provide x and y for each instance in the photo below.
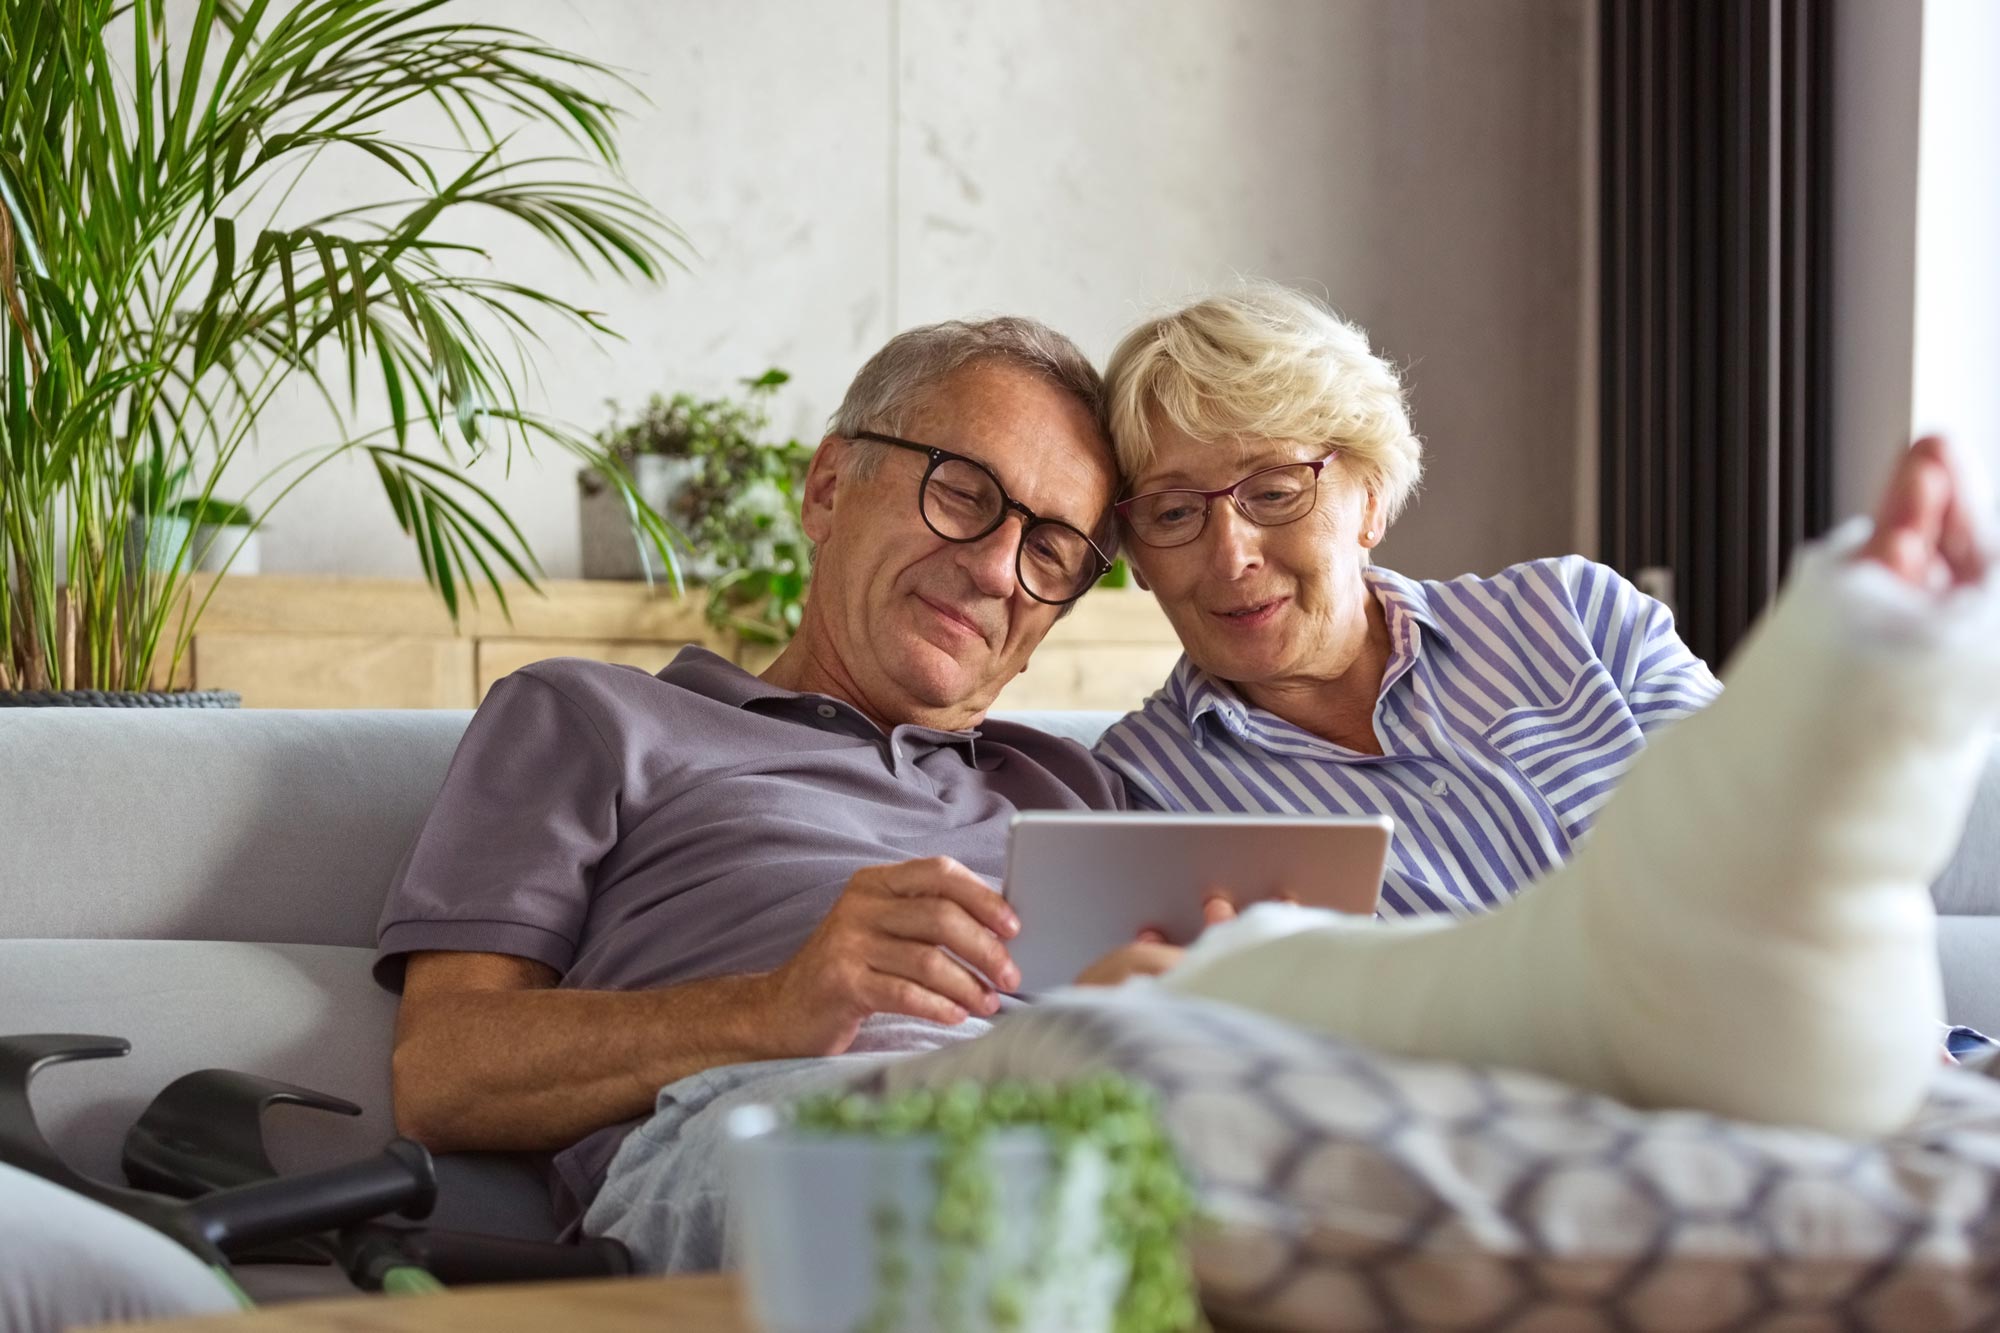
(401, 1178)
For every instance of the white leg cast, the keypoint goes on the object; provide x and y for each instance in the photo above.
(1748, 929)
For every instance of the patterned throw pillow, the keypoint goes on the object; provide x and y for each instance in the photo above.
(1346, 1189)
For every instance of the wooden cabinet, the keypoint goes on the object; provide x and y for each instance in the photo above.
(294, 641)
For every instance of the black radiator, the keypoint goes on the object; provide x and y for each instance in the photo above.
(1715, 455)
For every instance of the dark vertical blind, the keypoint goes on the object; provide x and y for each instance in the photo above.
(1715, 454)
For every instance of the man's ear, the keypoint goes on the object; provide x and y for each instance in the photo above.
(1138, 577)
(823, 476)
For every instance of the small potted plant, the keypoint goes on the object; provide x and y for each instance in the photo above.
(707, 467)
(225, 534)
(1013, 1206)
(178, 532)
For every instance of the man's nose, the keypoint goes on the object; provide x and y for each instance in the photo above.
(990, 560)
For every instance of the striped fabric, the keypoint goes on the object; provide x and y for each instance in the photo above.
(1510, 708)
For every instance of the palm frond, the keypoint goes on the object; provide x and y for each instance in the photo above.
(152, 306)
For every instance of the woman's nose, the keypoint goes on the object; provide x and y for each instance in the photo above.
(1236, 544)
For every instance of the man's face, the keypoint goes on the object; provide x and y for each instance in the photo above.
(920, 628)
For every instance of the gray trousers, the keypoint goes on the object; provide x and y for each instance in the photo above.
(666, 1195)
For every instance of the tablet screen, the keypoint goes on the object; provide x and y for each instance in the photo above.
(1085, 884)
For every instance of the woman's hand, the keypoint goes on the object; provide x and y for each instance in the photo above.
(1150, 954)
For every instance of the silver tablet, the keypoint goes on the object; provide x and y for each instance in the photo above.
(1084, 884)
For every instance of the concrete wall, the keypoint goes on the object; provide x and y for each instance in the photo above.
(1878, 55)
(851, 167)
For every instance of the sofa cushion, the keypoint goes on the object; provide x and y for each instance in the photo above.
(305, 1014)
(1349, 1189)
(193, 824)
(1969, 957)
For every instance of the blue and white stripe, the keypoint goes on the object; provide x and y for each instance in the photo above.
(1510, 708)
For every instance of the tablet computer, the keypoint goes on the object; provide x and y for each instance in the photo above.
(1084, 884)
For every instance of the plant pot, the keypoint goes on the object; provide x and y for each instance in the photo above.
(610, 549)
(836, 1233)
(120, 699)
(160, 543)
(231, 545)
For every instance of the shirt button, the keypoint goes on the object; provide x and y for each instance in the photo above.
(1440, 787)
(828, 710)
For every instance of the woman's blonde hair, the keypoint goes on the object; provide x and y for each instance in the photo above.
(1264, 362)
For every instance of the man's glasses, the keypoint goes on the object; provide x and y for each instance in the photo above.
(1268, 498)
(962, 501)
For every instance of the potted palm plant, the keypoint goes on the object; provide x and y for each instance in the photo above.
(156, 294)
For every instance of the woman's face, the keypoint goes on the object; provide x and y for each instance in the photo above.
(1261, 605)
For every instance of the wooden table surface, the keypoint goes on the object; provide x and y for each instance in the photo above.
(707, 1303)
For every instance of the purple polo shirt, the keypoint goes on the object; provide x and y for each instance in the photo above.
(636, 831)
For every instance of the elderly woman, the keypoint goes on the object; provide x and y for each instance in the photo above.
(1749, 927)
(1266, 450)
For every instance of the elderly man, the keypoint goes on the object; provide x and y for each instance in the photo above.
(631, 880)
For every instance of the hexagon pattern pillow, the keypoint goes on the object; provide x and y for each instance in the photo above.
(1351, 1190)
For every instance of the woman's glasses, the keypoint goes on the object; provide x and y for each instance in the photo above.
(1268, 497)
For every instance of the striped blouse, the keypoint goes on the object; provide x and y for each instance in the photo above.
(1510, 708)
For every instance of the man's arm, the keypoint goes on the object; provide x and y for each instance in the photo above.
(491, 1055)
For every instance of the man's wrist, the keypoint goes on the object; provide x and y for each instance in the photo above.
(755, 1028)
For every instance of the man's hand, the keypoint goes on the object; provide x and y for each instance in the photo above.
(1150, 954)
(881, 950)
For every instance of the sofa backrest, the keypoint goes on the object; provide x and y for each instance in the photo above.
(266, 826)
(277, 827)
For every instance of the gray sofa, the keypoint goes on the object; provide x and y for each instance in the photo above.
(207, 885)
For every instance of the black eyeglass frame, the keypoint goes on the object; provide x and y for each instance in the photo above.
(938, 458)
(1208, 499)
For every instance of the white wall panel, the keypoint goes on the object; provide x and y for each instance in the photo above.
(850, 167)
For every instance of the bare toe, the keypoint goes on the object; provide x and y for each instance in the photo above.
(1911, 519)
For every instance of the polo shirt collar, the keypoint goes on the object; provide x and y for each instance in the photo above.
(714, 676)
(1207, 702)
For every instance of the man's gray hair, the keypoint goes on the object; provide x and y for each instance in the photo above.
(910, 365)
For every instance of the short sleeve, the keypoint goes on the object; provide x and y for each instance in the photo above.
(504, 863)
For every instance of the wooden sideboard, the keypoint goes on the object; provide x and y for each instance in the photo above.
(299, 641)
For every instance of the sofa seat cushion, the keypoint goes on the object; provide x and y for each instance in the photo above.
(302, 1013)
(1350, 1189)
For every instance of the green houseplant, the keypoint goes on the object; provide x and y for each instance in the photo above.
(707, 466)
(1009, 1206)
(157, 294)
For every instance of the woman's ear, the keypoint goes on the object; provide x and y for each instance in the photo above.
(1374, 526)
(823, 476)
(1138, 577)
